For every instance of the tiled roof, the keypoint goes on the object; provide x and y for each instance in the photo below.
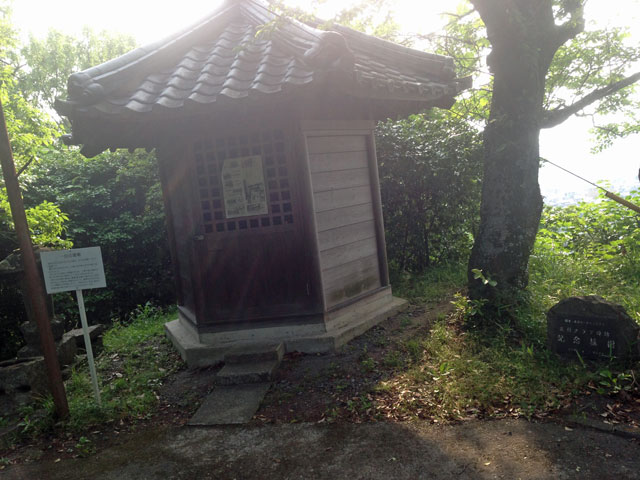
(245, 51)
(221, 56)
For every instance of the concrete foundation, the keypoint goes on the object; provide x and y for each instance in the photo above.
(340, 326)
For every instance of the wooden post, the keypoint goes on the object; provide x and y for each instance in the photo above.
(377, 209)
(309, 215)
(622, 201)
(35, 290)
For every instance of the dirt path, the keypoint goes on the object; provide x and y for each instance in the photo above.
(508, 449)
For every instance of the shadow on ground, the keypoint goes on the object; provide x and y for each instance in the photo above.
(508, 449)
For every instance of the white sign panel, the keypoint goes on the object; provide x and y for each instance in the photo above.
(77, 269)
(243, 187)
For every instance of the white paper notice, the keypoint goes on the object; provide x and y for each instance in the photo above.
(77, 269)
(243, 186)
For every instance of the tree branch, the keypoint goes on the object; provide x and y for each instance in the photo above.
(568, 30)
(552, 118)
(455, 17)
(561, 34)
(572, 27)
(25, 166)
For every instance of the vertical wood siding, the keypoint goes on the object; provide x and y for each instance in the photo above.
(344, 215)
(178, 187)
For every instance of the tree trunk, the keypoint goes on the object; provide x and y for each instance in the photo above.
(511, 201)
(524, 36)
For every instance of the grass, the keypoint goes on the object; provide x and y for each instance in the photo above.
(454, 371)
(135, 358)
(475, 371)
(451, 373)
(555, 275)
(431, 286)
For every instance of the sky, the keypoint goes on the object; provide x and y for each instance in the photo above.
(568, 144)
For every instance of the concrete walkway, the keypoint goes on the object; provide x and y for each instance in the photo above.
(508, 449)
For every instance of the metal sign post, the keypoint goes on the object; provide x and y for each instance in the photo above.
(87, 344)
(77, 269)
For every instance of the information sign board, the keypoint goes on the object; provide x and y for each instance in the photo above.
(76, 269)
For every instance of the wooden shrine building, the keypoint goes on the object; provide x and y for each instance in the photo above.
(263, 131)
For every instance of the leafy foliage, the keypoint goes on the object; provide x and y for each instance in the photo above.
(50, 61)
(30, 130)
(46, 222)
(372, 17)
(465, 40)
(430, 184)
(114, 201)
(589, 248)
(31, 133)
(433, 285)
(594, 59)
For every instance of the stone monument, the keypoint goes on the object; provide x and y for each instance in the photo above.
(592, 327)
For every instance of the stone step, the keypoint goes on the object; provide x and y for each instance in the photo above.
(230, 405)
(245, 373)
(254, 353)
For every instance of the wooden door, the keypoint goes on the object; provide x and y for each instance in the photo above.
(254, 264)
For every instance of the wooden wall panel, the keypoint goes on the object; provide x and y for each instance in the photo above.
(351, 279)
(343, 204)
(345, 197)
(337, 144)
(341, 255)
(339, 179)
(336, 237)
(329, 162)
(176, 176)
(361, 267)
(343, 216)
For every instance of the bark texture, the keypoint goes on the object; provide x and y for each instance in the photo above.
(524, 38)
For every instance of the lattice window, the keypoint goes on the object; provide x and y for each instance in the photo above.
(210, 156)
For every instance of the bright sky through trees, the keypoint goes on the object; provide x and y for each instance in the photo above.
(148, 20)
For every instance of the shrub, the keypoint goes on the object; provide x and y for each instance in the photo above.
(430, 170)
